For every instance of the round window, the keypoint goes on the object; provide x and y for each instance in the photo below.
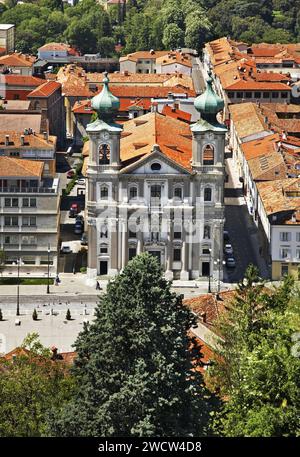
(155, 166)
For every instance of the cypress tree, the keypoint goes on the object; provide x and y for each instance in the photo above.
(68, 315)
(1, 315)
(135, 370)
(34, 315)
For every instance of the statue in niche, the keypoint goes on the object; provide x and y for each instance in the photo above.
(104, 154)
(103, 232)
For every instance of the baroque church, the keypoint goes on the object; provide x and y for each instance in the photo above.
(156, 184)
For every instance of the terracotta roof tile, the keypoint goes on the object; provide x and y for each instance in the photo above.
(268, 167)
(12, 167)
(35, 141)
(20, 80)
(260, 147)
(255, 85)
(45, 90)
(247, 119)
(17, 60)
(276, 199)
(176, 113)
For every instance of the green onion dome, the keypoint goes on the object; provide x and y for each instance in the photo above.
(209, 103)
(105, 103)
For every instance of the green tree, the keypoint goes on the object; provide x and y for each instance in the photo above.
(68, 315)
(255, 367)
(29, 387)
(134, 369)
(106, 46)
(198, 29)
(173, 37)
(2, 259)
(32, 343)
(1, 315)
(34, 315)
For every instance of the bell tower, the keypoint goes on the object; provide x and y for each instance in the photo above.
(104, 163)
(104, 133)
(208, 147)
(208, 133)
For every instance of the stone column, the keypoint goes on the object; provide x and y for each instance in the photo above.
(140, 241)
(124, 245)
(92, 252)
(113, 270)
(169, 272)
(184, 274)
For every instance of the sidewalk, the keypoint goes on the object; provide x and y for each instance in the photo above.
(70, 285)
(74, 285)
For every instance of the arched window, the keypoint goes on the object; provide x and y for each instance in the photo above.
(206, 232)
(178, 192)
(36, 105)
(104, 154)
(208, 155)
(133, 192)
(104, 193)
(207, 194)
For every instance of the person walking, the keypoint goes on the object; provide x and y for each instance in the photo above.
(98, 285)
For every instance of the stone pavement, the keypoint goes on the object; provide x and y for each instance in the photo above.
(74, 285)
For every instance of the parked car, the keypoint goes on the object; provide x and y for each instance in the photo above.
(78, 228)
(230, 262)
(74, 210)
(79, 217)
(66, 250)
(71, 174)
(226, 235)
(84, 239)
(81, 182)
(228, 250)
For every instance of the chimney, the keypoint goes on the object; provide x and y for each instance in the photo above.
(203, 316)
(170, 95)
(22, 139)
(6, 140)
(45, 136)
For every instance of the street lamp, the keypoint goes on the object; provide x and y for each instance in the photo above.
(48, 287)
(18, 287)
(219, 263)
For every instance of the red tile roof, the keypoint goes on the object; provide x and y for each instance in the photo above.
(176, 113)
(45, 90)
(10, 166)
(17, 59)
(18, 80)
(172, 136)
(254, 85)
(59, 47)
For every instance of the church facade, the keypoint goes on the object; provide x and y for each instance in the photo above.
(156, 185)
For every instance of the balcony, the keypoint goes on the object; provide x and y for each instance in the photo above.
(27, 190)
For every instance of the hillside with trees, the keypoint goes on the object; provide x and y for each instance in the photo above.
(146, 24)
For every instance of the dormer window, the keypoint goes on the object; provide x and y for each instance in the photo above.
(156, 166)
(208, 155)
(104, 154)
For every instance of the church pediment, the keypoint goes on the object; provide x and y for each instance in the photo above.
(155, 163)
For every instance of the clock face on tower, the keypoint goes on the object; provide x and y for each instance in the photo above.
(104, 135)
